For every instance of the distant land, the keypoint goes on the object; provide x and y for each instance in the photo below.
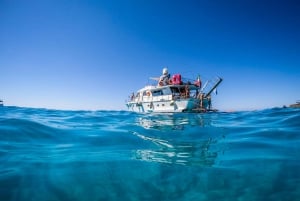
(295, 105)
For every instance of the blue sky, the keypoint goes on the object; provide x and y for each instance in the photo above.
(93, 54)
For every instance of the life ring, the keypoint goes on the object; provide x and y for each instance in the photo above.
(148, 93)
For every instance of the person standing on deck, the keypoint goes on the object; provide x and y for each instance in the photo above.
(164, 78)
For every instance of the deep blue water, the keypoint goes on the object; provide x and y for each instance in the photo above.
(116, 155)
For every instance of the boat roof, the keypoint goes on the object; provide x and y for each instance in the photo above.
(151, 87)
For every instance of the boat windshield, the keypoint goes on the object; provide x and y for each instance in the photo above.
(163, 91)
(157, 93)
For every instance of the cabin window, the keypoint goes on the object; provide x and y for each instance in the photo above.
(174, 90)
(166, 91)
(182, 90)
(157, 93)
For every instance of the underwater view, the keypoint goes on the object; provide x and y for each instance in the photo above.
(58, 155)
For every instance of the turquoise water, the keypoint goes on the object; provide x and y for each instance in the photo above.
(116, 155)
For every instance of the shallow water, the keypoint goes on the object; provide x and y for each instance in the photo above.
(116, 155)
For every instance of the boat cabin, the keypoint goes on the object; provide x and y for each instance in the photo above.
(168, 92)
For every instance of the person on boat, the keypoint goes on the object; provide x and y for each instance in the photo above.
(200, 96)
(164, 78)
(187, 91)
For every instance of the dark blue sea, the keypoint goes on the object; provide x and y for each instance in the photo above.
(56, 155)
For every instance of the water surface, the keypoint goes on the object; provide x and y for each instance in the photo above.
(59, 155)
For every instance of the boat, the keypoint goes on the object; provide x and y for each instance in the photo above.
(1, 103)
(176, 95)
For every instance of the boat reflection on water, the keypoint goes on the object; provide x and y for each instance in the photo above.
(174, 121)
(180, 139)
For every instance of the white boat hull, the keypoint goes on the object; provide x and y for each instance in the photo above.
(167, 106)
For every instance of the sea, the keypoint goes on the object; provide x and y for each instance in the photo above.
(58, 155)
